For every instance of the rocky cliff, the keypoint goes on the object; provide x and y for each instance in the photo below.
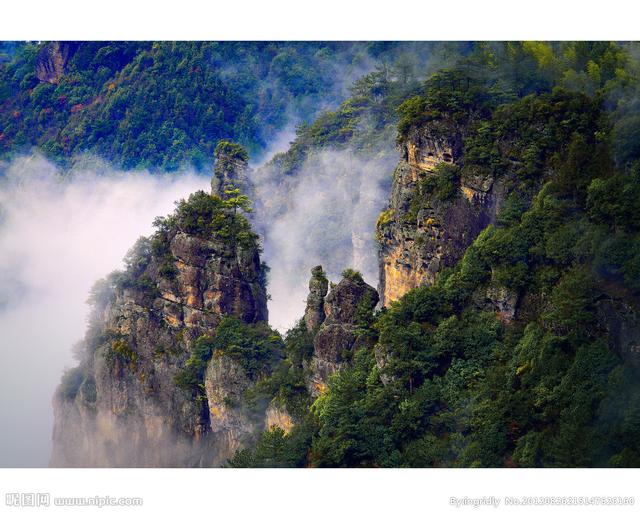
(434, 212)
(52, 60)
(231, 170)
(155, 385)
(336, 321)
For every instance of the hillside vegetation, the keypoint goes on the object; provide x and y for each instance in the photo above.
(524, 348)
(166, 104)
(450, 382)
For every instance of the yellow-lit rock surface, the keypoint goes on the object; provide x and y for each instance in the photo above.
(277, 416)
(400, 277)
(420, 232)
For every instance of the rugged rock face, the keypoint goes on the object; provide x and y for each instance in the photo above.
(619, 319)
(339, 335)
(230, 425)
(231, 170)
(428, 226)
(122, 406)
(210, 281)
(52, 59)
(430, 145)
(498, 299)
(314, 313)
(277, 416)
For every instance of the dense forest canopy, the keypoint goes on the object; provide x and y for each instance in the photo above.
(165, 104)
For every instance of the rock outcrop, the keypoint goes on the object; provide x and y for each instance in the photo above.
(231, 170)
(339, 334)
(314, 313)
(277, 416)
(123, 406)
(52, 59)
(618, 318)
(434, 214)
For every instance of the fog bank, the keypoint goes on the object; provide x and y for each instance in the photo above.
(324, 215)
(58, 235)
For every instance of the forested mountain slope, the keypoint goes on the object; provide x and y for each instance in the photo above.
(510, 274)
(509, 279)
(166, 104)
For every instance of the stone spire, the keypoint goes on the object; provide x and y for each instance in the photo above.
(231, 169)
(339, 335)
(318, 286)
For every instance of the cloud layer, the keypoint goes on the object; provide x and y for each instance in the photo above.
(58, 235)
(324, 215)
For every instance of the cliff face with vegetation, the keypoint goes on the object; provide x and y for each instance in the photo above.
(434, 213)
(156, 385)
(52, 60)
(337, 321)
(508, 272)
